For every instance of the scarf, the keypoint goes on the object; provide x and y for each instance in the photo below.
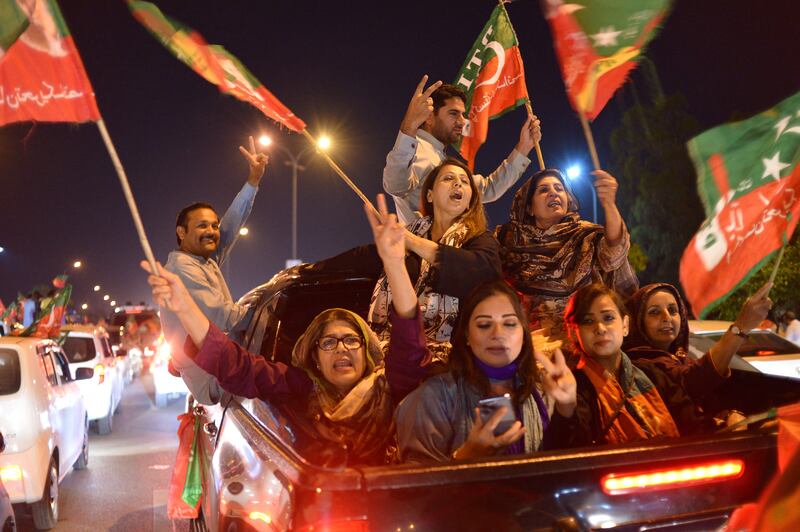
(630, 408)
(439, 311)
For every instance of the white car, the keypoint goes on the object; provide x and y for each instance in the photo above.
(43, 421)
(164, 382)
(86, 346)
(763, 351)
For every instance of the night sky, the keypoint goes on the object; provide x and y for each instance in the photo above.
(347, 69)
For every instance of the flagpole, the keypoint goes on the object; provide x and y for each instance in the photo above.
(589, 140)
(126, 189)
(339, 171)
(777, 265)
(538, 149)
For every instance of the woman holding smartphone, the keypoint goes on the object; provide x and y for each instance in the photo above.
(492, 355)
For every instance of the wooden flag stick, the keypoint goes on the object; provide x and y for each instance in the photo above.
(339, 171)
(589, 140)
(126, 190)
(777, 265)
(538, 148)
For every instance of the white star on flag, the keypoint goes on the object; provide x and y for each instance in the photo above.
(773, 167)
(606, 36)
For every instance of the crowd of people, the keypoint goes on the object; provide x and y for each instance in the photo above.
(477, 343)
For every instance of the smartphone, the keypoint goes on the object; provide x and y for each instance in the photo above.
(490, 405)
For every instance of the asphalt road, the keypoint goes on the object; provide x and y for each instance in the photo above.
(125, 486)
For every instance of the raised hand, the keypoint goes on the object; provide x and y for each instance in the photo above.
(606, 186)
(257, 162)
(482, 441)
(755, 309)
(389, 234)
(168, 289)
(529, 135)
(419, 108)
(558, 381)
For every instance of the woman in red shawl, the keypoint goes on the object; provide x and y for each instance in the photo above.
(658, 344)
(548, 252)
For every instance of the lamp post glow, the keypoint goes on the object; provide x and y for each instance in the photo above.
(97, 288)
(106, 297)
(113, 303)
(77, 264)
(244, 231)
(84, 306)
(323, 143)
(573, 173)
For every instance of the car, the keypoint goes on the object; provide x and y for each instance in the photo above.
(44, 422)
(135, 330)
(86, 346)
(763, 350)
(165, 384)
(258, 476)
(7, 521)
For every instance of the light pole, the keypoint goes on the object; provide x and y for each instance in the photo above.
(323, 143)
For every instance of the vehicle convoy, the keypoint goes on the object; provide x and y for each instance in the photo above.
(43, 421)
(86, 346)
(263, 470)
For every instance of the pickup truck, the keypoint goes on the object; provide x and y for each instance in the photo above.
(259, 475)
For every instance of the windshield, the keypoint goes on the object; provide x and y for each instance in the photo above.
(79, 349)
(9, 372)
(757, 344)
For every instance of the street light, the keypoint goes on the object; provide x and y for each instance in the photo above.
(324, 144)
(244, 231)
(77, 264)
(97, 288)
(575, 171)
(113, 303)
(106, 297)
(84, 306)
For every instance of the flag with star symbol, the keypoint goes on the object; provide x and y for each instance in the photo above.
(598, 43)
(748, 178)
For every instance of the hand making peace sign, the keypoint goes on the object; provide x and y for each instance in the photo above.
(419, 108)
(257, 161)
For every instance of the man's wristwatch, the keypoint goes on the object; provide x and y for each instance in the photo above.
(737, 331)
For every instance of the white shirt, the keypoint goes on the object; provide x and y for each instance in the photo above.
(793, 332)
(412, 159)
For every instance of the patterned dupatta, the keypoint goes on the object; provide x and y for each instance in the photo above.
(630, 409)
(439, 311)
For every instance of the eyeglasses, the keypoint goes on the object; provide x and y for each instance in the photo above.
(330, 343)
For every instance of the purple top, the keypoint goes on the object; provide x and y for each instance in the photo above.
(241, 372)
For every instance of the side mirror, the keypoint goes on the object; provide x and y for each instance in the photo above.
(2, 443)
(81, 374)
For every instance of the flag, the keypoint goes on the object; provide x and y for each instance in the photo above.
(186, 484)
(48, 322)
(41, 74)
(598, 43)
(493, 78)
(748, 179)
(213, 63)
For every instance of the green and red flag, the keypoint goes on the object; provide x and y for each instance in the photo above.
(493, 77)
(213, 63)
(748, 178)
(41, 73)
(48, 322)
(598, 43)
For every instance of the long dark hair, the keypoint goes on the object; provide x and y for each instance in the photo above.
(461, 363)
(474, 218)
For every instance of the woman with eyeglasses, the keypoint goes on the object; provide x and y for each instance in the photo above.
(339, 381)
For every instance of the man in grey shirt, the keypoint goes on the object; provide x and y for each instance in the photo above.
(204, 243)
(435, 119)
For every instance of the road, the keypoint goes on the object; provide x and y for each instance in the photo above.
(125, 486)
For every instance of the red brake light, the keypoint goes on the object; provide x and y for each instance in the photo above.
(100, 373)
(765, 352)
(356, 525)
(660, 479)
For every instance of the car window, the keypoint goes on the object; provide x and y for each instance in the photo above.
(756, 344)
(107, 352)
(49, 368)
(9, 371)
(62, 365)
(79, 349)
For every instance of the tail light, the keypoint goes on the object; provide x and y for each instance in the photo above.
(355, 525)
(100, 372)
(11, 473)
(661, 479)
(765, 352)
